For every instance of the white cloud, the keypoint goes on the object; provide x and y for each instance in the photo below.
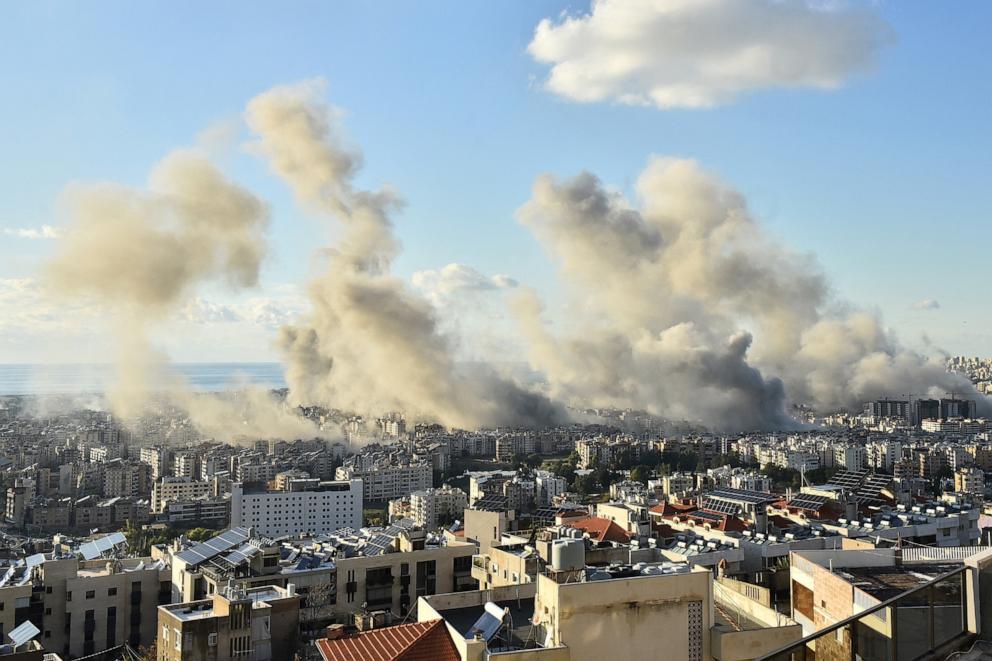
(703, 53)
(44, 232)
(927, 304)
(457, 279)
(202, 311)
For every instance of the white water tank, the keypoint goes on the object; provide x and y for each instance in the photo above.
(568, 554)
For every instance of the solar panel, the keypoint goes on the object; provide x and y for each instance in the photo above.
(98, 547)
(34, 560)
(848, 479)
(808, 501)
(720, 506)
(742, 496)
(242, 554)
(491, 504)
(214, 547)
(709, 516)
(378, 544)
(488, 625)
(23, 634)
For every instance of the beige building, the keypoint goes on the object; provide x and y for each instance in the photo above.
(258, 624)
(432, 506)
(486, 528)
(389, 578)
(969, 480)
(661, 616)
(82, 607)
(387, 481)
(177, 488)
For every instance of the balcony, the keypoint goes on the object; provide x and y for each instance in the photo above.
(928, 621)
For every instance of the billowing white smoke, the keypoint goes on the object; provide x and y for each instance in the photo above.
(673, 288)
(371, 344)
(141, 253)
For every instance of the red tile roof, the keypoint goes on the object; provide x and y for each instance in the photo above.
(418, 641)
(667, 509)
(600, 529)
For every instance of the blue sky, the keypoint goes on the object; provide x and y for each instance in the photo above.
(886, 179)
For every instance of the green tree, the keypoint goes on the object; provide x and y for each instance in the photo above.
(200, 534)
(584, 484)
(640, 474)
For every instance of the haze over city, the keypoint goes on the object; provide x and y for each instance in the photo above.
(614, 328)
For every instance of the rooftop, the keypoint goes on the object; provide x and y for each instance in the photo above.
(417, 641)
(887, 582)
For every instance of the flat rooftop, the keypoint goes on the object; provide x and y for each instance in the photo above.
(522, 631)
(887, 582)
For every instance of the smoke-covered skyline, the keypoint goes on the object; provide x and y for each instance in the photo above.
(681, 303)
(700, 209)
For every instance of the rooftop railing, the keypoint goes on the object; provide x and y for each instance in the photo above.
(911, 625)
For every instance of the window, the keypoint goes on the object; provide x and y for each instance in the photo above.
(68, 595)
(48, 589)
(90, 594)
(111, 592)
(178, 643)
(48, 611)
(212, 639)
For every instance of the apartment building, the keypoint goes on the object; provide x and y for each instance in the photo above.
(85, 606)
(387, 481)
(204, 511)
(360, 570)
(431, 506)
(159, 458)
(177, 488)
(323, 508)
(126, 478)
(260, 624)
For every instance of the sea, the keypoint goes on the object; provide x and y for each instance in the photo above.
(28, 379)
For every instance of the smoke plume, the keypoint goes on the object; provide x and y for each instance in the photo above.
(141, 253)
(370, 343)
(672, 289)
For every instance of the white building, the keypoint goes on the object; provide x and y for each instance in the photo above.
(884, 455)
(388, 481)
(851, 457)
(159, 458)
(549, 485)
(430, 506)
(328, 507)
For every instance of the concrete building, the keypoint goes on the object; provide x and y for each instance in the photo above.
(204, 511)
(258, 623)
(852, 457)
(82, 607)
(159, 458)
(431, 506)
(321, 509)
(386, 482)
(548, 487)
(970, 480)
(367, 570)
(658, 611)
(126, 478)
(176, 488)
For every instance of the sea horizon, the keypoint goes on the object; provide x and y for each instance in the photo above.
(39, 379)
